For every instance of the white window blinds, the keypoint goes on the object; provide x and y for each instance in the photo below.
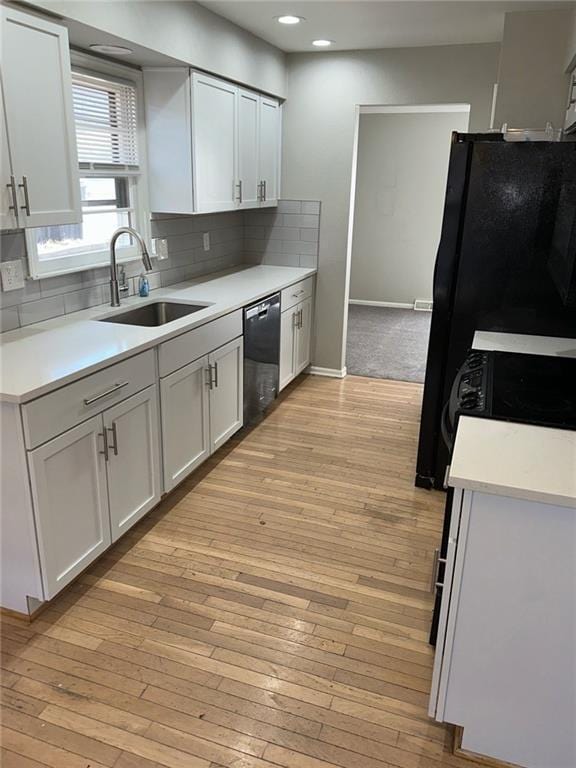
(105, 114)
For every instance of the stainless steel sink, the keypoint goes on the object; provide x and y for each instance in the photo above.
(158, 313)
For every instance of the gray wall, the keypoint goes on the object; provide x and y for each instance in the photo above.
(287, 236)
(571, 50)
(319, 121)
(400, 189)
(185, 31)
(532, 81)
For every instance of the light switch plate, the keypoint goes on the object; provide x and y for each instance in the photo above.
(12, 275)
(206, 240)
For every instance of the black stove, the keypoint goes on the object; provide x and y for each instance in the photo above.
(532, 389)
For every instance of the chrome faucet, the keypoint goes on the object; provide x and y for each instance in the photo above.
(114, 289)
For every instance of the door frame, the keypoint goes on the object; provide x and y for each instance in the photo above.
(376, 109)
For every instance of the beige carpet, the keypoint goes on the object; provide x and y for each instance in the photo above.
(387, 343)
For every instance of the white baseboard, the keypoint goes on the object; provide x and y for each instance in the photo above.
(335, 373)
(420, 305)
(394, 304)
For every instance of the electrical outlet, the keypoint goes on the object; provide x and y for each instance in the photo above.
(206, 238)
(12, 275)
(160, 247)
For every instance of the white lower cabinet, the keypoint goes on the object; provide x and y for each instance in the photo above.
(226, 392)
(295, 334)
(303, 335)
(506, 638)
(133, 459)
(92, 483)
(287, 346)
(185, 420)
(202, 407)
(68, 478)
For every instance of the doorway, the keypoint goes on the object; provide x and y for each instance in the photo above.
(402, 155)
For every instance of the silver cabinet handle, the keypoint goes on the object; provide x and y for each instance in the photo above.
(436, 570)
(239, 185)
(24, 186)
(104, 437)
(264, 190)
(12, 187)
(298, 293)
(209, 372)
(301, 318)
(216, 375)
(102, 395)
(114, 431)
(295, 319)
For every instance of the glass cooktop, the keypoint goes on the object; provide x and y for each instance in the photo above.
(536, 389)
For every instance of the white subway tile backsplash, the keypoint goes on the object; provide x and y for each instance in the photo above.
(283, 236)
(43, 309)
(310, 235)
(300, 220)
(290, 206)
(83, 299)
(311, 206)
(9, 319)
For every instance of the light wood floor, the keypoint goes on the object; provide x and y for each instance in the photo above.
(273, 612)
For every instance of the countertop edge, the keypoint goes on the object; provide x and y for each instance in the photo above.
(162, 293)
(513, 492)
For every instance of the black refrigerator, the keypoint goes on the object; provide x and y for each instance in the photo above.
(506, 262)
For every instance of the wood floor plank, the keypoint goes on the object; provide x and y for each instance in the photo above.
(272, 612)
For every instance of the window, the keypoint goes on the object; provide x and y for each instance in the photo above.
(106, 117)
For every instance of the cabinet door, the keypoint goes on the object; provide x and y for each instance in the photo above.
(68, 477)
(303, 335)
(8, 211)
(213, 143)
(185, 421)
(248, 143)
(226, 392)
(269, 159)
(133, 465)
(287, 346)
(37, 84)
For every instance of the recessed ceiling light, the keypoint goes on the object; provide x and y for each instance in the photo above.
(289, 19)
(111, 50)
(322, 43)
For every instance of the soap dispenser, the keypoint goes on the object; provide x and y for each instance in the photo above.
(143, 286)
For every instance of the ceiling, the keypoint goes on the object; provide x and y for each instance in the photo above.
(362, 24)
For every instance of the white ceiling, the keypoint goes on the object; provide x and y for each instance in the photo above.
(357, 24)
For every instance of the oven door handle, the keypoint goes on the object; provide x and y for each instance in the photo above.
(446, 435)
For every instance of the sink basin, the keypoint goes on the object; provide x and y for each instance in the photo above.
(158, 313)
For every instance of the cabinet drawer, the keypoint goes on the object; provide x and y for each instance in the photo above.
(190, 346)
(294, 294)
(53, 414)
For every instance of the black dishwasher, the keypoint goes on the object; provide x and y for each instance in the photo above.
(261, 357)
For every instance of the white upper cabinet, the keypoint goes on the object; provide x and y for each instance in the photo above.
(37, 86)
(269, 156)
(248, 188)
(8, 200)
(169, 132)
(213, 143)
(212, 146)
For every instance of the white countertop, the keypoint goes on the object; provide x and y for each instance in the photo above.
(524, 343)
(518, 460)
(44, 356)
